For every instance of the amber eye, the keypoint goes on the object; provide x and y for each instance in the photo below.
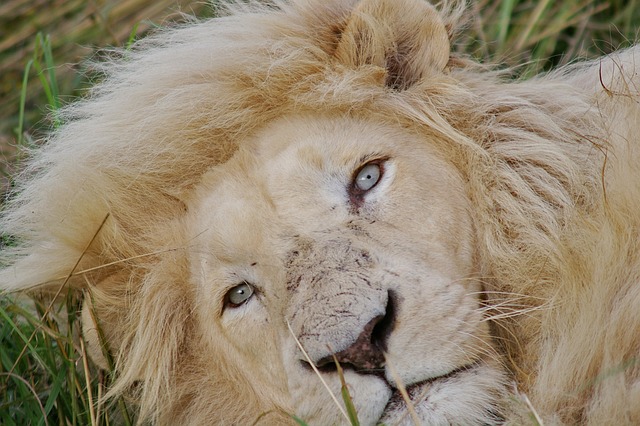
(239, 294)
(368, 176)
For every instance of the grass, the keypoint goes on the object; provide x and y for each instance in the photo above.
(74, 30)
(44, 376)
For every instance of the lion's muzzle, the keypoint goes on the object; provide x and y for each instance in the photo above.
(340, 306)
(366, 354)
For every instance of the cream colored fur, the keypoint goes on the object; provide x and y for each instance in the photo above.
(500, 245)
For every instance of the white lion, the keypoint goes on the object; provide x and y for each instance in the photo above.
(290, 185)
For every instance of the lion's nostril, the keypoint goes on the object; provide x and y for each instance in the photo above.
(362, 355)
(366, 354)
(382, 330)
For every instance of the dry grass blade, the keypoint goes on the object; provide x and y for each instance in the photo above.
(530, 406)
(315, 369)
(59, 291)
(403, 391)
(106, 265)
(346, 395)
(87, 376)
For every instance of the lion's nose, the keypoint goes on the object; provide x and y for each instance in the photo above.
(366, 354)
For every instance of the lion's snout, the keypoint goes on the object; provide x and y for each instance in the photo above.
(340, 306)
(366, 354)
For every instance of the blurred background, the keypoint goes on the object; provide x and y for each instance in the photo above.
(36, 35)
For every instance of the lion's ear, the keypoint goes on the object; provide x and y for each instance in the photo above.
(405, 37)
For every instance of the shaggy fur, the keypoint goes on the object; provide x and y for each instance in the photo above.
(541, 177)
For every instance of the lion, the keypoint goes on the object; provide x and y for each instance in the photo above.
(262, 206)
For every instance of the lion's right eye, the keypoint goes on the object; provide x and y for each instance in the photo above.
(368, 176)
(239, 294)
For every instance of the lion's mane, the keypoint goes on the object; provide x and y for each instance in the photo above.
(547, 163)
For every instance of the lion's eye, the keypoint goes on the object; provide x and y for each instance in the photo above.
(368, 177)
(239, 294)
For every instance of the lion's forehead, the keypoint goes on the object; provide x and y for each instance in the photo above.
(293, 178)
(320, 139)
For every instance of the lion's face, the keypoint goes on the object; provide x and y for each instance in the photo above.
(354, 239)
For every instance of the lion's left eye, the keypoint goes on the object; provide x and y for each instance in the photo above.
(239, 294)
(368, 176)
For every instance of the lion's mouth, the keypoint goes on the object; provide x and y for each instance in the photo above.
(418, 392)
(428, 400)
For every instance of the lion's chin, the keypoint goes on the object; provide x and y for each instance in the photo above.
(473, 398)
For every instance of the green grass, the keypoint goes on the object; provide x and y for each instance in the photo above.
(44, 376)
(547, 33)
